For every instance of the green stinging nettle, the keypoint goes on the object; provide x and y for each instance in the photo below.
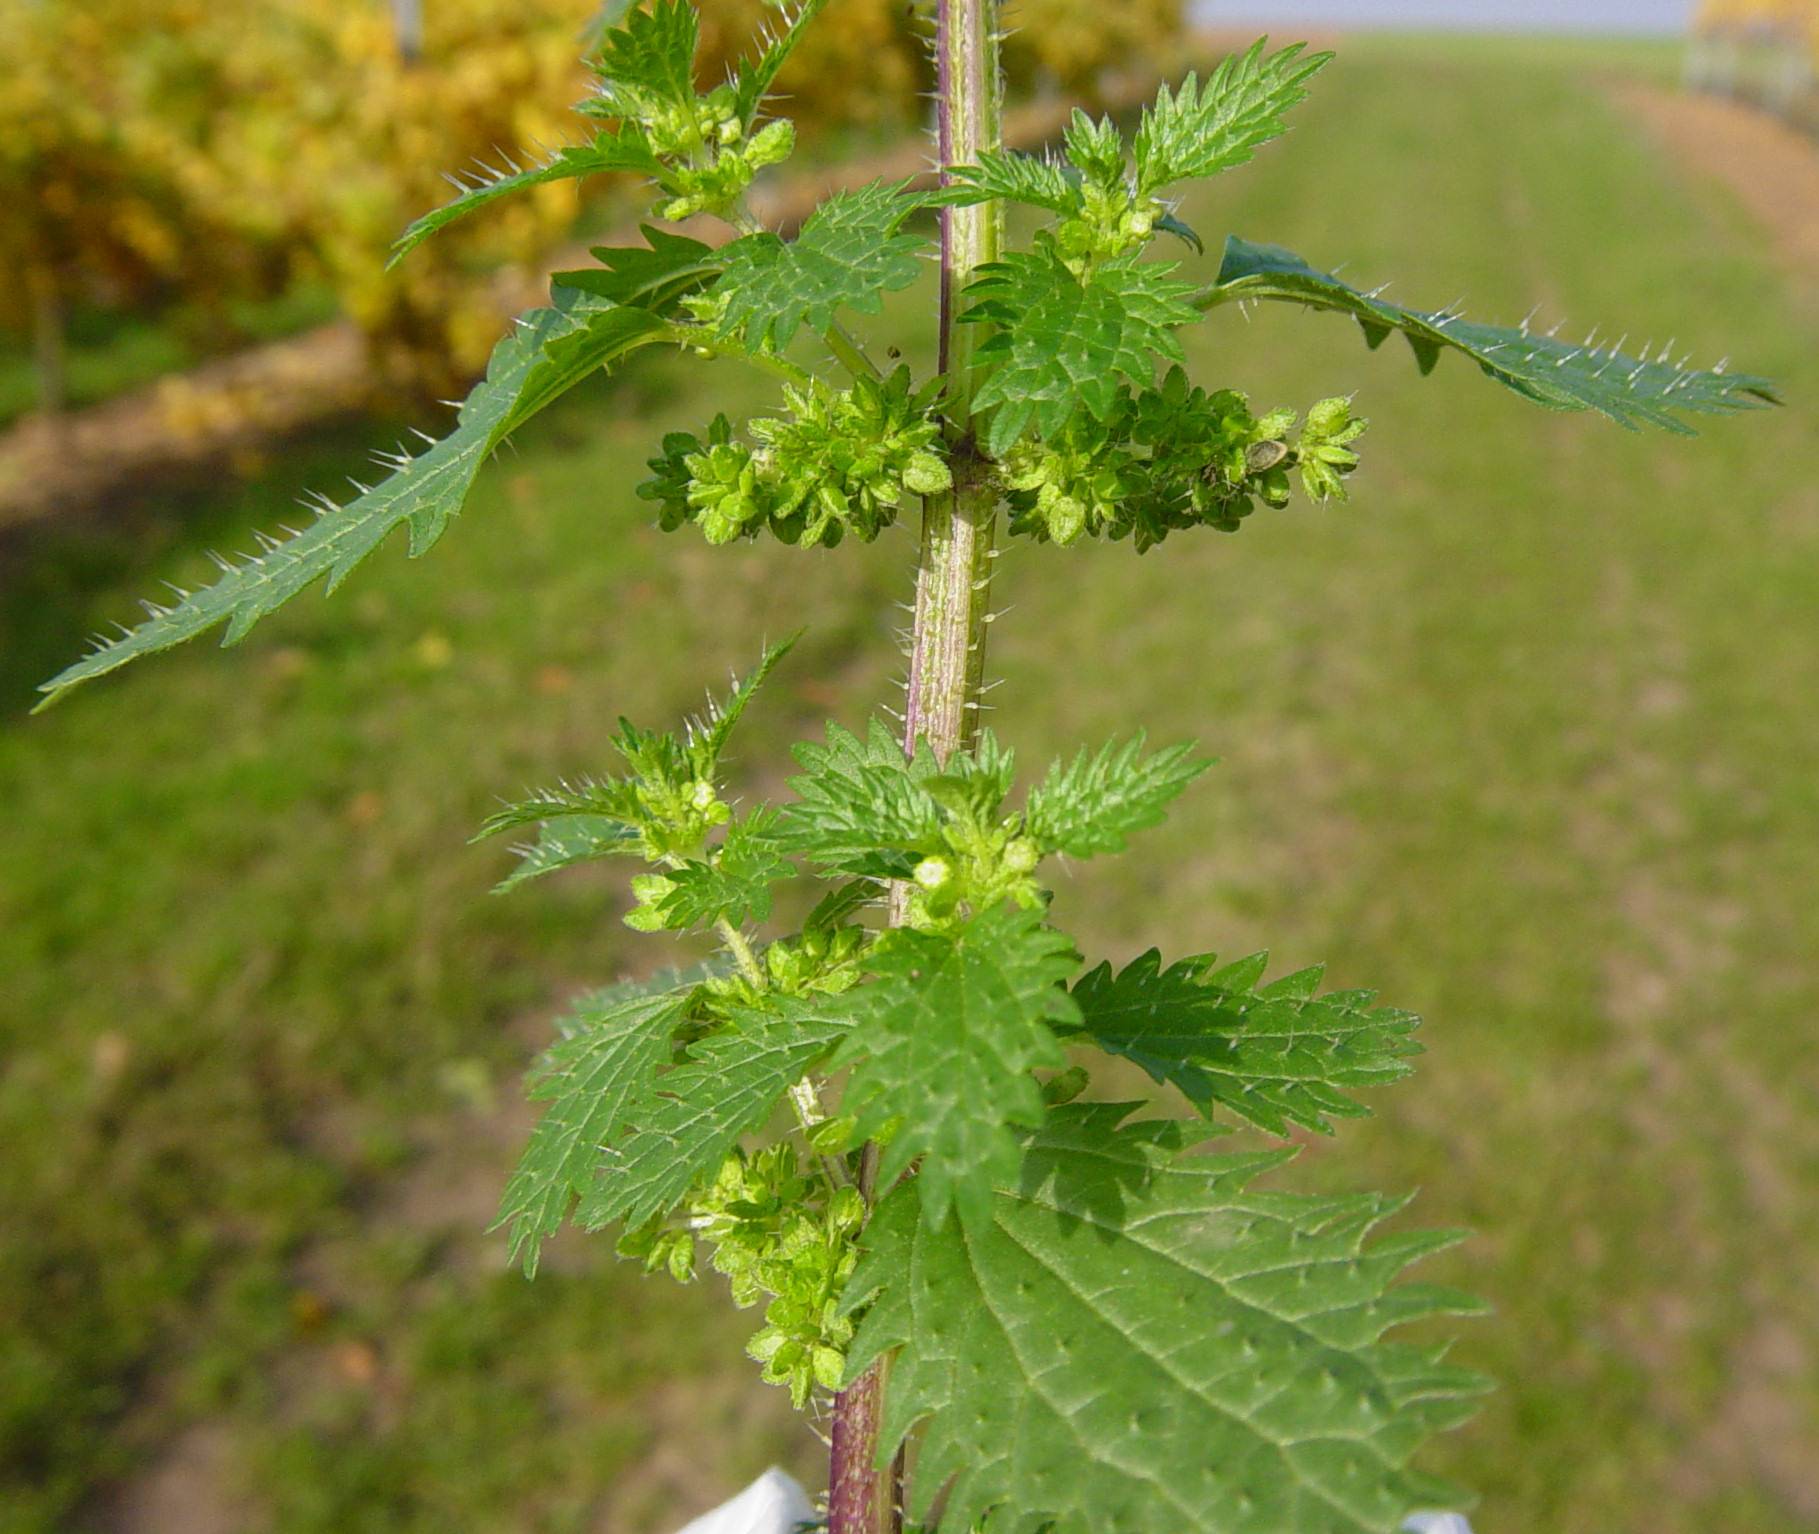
(1081, 1323)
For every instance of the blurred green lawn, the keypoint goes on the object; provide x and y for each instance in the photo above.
(1524, 736)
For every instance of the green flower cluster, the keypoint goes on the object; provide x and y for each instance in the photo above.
(1113, 218)
(784, 1237)
(1174, 457)
(973, 856)
(839, 461)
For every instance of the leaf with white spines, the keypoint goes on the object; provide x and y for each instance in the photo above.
(1092, 804)
(1200, 130)
(1633, 391)
(753, 83)
(548, 352)
(860, 804)
(625, 150)
(1141, 1342)
(650, 55)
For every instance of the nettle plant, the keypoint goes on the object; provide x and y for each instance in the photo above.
(1063, 1315)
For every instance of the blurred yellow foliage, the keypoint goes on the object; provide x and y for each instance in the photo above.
(208, 148)
(1788, 18)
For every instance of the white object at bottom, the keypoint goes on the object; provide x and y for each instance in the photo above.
(772, 1504)
(776, 1504)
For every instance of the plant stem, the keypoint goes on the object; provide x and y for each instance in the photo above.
(947, 644)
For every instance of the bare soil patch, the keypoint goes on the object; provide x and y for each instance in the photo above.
(1772, 168)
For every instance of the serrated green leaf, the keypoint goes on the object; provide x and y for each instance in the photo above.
(1200, 130)
(1632, 391)
(625, 150)
(943, 1040)
(1092, 804)
(1140, 1342)
(858, 801)
(736, 884)
(687, 1120)
(611, 1050)
(649, 56)
(610, 799)
(549, 352)
(1274, 1057)
(661, 983)
(654, 277)
(1033, 180)
(566, 840)
(1063, 344)
(849, 254)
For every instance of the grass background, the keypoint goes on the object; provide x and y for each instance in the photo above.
(1523, 736)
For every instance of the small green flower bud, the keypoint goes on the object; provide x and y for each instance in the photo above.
(1021, 856)
(1065, 1086)
(932, 873)
(926, 474)
(1329, 417)
(829, 1367)
(774, 143)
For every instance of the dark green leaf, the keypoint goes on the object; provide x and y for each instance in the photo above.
(1139, 1342)
(1062, 343)
(1276, 1057)
(687, 1121)
(611, 1051)
(943, 1041)
(654, 277)
(1632, 391)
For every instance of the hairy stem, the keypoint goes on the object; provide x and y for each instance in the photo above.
(947, 644)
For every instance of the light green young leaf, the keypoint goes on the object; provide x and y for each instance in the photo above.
(1276, 1056)
(943, 1041)
(1140, 1342)
(1200, 130)
(549, 352)
(686, 1121)
(859, 801)
(1062, 344)
(735, 883)
(625, 149)
(849, 254)
(1092, 804)
(1007, 174)
(611, 1050)
(565, 840)
(1633, 391)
